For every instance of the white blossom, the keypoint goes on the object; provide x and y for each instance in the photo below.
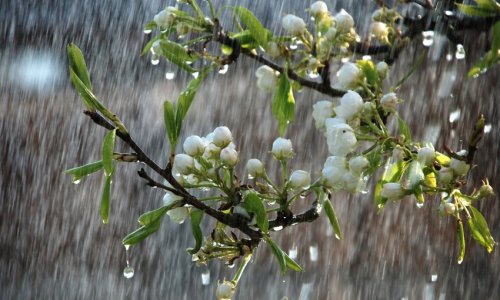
(358, 164)
(459, 167)
(353, 183)
(178, 214)
(380, 31)
(293, 25)
(344, 21)
(282, 148)
(426, 155)
(165, 17)
(225, 290)
(183, 163)
(389, 101)
(229, 156)
(348, 75)
(382, 68)
(321, 111)
(194, 145)
(341, 139)
(255, 168)
(392, 190)
(445, 175)
(449, 208)
(267, 78)
(333, 170)
(318, 8)
(350, 105)
(211, 152)
(222, 136)
(415, 173)
(299, 179)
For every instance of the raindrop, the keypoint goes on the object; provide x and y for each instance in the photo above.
(128, 272)
(250, 177)
(278, 228)
(293, 252)
(205, 277)
(147, 31)
(460, 54)
(188, 62)
(155, 61)
(487, 128)
(460, 261)
(419, 204)
(312, 75)
(343, 60)
(313, 253)
(293, 46)
(449, 57)
(428, 38)
(231, 265)
(169, 75)
(77, 181)
(454, 115)
(449, 13)
(434, 277)
(366, 57)
(195, 74)
(224, 69)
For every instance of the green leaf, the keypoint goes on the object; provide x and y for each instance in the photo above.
(77, 65)
(196, 217)
(151, 217)
(141, 233)
(108, 147)
(461, 241)
(105, 199)
(491, 57)
(253, 203)
(489, 4)
(283, 107)
(245, 39)
(178, 55)
(291, 264)
(280, 255)
(187, 97)
(332, 217)
(495, 43)
(479, 229)
(149, 44)
(370, 71)
(87, 96)
(79, 172)
(476, 10)
(258, 31)
(170, 124)
(404, 129)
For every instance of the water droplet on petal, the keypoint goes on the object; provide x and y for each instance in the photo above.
(128, 272)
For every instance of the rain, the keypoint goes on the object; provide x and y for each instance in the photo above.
(54, 245)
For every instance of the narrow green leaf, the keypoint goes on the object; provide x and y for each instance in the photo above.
(404, 129)
(105, 199)
(461, 241)
(291, 264)
(170, 124)
(253, 203)
(479, 229)
(489, 4)
(87, 96)
(141, 233)
(150, 217)
(196, 218)
(82, 171)
(283, 106)
(178, 55)
(108, 147)
(332, 217)
(280, 255)
(394, 172)
(413, 68)
(476, 10)
(186, 98)
(77, 64)
(258, 31)
(495, 43)
(370, 71)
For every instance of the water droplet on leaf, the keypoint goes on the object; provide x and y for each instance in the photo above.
(128, 272)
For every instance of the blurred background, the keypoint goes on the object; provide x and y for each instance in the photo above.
(54, 245)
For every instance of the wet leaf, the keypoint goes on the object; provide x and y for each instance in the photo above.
(196, 218)
(170, 124)
(77, 65)
(253, 203)
(479, 229)
(105, 199)
(141, 233)
(178, 55)
(284, 260)
(461, 241)
(332, 217)
(82, 171)
(283, 107)
(245, 39)
(108, 147)
(258, 31)
(291, 264)
(150, 217)
(491, 57)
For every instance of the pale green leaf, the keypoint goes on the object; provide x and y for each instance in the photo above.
(141, 233)
(196, 218)
(170, 124)
(79, 172)
(77, 65)
(283, 107)
(108, 147)
(253, 203)
(332, 217)
(105, 199)
(258, 31)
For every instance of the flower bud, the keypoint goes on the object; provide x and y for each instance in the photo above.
(398, 154)
(170, 198)
(282, 149)
(445, 175)
(299, 179)
(225, 290)
(340, 138)
(382, 69)
(459, 167)
(293, 25)
(273, 50)
(343, 21)
(389, 102)
(426, 156)
(222, 136)
(348, 75)
(449, 208)
(194, 146)
(380, 31)
(183, 163)
(350, 105)
(330, 34)
(318, 9)
(392, 191)
(358, 164)
(321, 111)
(415, 174)
(333, 170)
(229, 157)
(353, 183)
(266, 78)
(178, 214)
(211, 152)
(164, 18)
(485, 191)
(255, 168)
